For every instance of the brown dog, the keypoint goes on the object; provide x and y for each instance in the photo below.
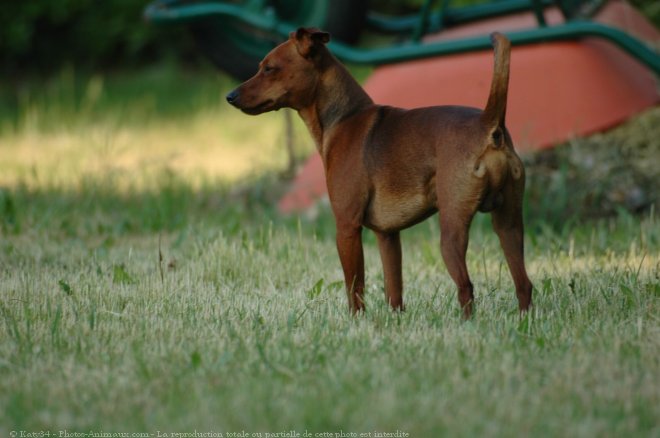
(388, 168)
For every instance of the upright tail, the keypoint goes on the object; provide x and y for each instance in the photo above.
(496, 107)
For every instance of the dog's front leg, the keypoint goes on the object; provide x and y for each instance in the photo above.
(349, 246)
(389, 245)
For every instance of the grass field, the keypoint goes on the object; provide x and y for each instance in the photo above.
(147, 285)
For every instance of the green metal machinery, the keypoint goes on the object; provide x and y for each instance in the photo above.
(236, 35)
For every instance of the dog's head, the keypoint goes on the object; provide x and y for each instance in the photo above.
(288, 76)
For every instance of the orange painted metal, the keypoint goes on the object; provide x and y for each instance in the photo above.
(557, 90)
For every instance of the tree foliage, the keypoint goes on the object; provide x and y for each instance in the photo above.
(42, 36)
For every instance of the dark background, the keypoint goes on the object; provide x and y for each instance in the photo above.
(41, 37)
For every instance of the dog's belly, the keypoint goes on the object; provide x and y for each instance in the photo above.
(393, 210)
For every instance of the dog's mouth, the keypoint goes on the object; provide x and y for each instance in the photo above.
(263, 107)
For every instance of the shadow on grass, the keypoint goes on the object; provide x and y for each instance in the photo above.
(107, 209)
(167, 205)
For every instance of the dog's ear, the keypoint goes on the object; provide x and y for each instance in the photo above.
(308, 41)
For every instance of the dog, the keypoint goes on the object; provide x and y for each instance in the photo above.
(388, 168)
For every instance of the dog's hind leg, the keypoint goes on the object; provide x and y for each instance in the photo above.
(508, 224)
(454, 229)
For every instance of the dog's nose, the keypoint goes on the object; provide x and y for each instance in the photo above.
(232, 97)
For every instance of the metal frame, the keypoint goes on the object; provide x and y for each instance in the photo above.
(169, 11)
(448, 16)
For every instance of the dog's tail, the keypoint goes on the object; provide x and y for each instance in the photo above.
(495, 110)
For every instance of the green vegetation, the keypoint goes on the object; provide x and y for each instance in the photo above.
(42, 37)
(148, 284)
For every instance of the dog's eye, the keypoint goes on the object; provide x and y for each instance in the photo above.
(269, 69)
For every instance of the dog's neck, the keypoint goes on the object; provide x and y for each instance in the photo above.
(338, 96)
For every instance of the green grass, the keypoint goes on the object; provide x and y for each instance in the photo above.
(169, 301)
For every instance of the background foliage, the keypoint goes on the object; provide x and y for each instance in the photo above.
(43, 36)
